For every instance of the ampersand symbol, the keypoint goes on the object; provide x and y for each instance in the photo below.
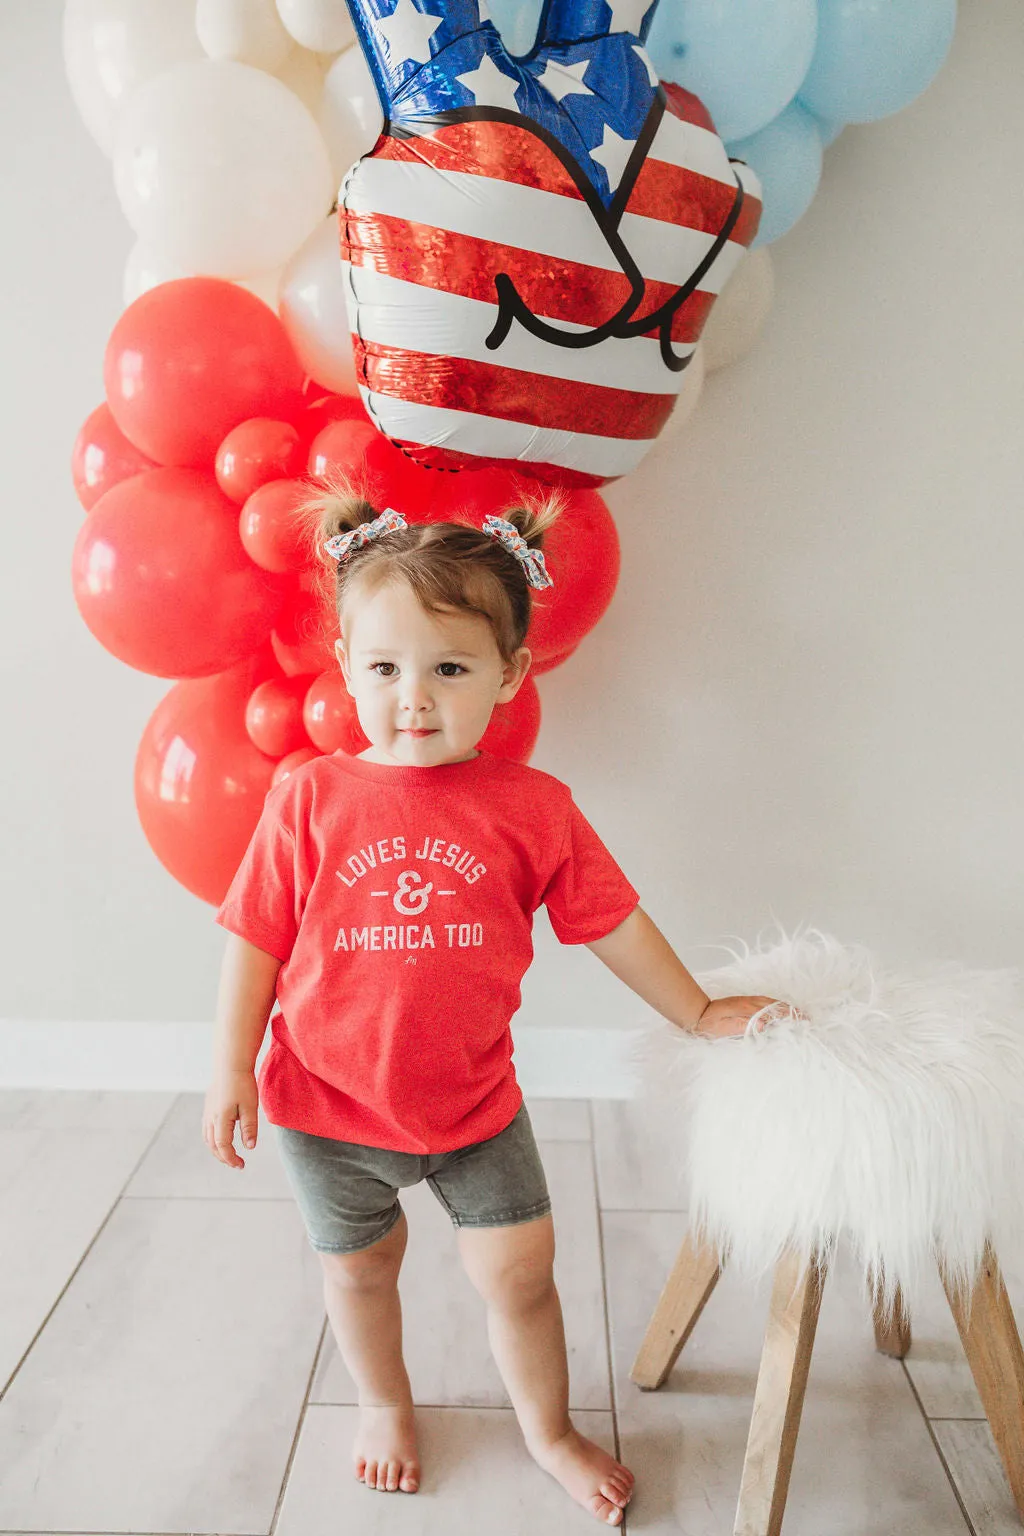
(417, 900)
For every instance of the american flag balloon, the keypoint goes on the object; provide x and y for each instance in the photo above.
(533, 245)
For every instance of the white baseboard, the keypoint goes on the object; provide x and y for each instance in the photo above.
(175, 1058)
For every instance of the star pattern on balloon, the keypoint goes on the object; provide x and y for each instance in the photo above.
(490, 86)
(407, 32)
(587, 84)
(628, 15)
(642, 55)
(613, 153)
(561, 80)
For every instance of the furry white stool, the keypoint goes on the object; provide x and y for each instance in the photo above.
(892, 1117)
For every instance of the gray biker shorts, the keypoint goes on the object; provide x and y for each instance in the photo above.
(347, 1194)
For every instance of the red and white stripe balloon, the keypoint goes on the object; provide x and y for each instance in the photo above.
(428, 222)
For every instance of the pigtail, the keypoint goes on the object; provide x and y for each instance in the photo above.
(331, 506)
(533, 516)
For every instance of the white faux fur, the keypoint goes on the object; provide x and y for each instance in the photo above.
(893, 1116)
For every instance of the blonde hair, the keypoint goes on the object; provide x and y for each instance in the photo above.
(449, 566)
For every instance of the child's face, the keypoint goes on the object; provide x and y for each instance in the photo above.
(425, 684)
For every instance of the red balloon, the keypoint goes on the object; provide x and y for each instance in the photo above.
(103, 457)
(270, 532)
(328, 408)
(469, 497)
(273, 715)
(515, 726)
(199, 781)
(340, 447)
(379, 471)
(397, 480)
(313, 393)
(330, 718)
(549, 663)
(162, 581)
(292, 761)
(189, 360)
(304, 635)
(254, 452)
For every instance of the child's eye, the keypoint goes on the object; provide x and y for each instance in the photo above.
(377, 665)
(444, 666)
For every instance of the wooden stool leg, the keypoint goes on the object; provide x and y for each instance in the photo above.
(892, 1335)
(992, 1346)
(693, 1278)
(781, 1382)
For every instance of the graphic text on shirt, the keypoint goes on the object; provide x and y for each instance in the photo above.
(392, 850)
(410, 895)
(409, 936)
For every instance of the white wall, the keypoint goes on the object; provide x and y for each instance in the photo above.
(804, 702)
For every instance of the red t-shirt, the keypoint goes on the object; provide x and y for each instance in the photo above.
(401, 901)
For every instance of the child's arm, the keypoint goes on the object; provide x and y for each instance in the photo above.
(639, 954)
(245, 998)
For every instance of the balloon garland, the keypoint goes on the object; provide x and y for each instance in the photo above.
(558, 333)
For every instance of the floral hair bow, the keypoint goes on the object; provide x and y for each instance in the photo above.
(531, 560)
(343, 545)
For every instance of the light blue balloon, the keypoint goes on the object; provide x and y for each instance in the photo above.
(516, 20)
(745, 59)
(787, 157)
(874, 56)
(829, 127)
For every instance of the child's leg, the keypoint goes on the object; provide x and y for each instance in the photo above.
(511, 1267)
(361, 1295)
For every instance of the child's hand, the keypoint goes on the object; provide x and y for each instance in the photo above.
(232, 1095)
(730, 1015)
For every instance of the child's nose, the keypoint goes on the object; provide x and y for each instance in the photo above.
(416, 696)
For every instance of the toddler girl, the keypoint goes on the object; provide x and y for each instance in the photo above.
(387, 900)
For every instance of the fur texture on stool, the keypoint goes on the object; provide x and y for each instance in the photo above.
(892, 1116)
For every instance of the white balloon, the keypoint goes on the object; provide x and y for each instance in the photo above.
(313, 312)
(302, 72)
(687, 400)
(250, 31)
(220, 167)
(146, 268)
(350, 115)
(112, 46)
(740, 310)
(265, 285)
(323, 25)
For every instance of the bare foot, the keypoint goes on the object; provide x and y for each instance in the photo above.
(385, 1448)
(592, 1477)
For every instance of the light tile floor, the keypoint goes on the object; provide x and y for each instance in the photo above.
(165, 1366)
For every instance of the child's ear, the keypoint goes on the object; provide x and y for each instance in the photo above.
(513, 675)
(339, 651)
